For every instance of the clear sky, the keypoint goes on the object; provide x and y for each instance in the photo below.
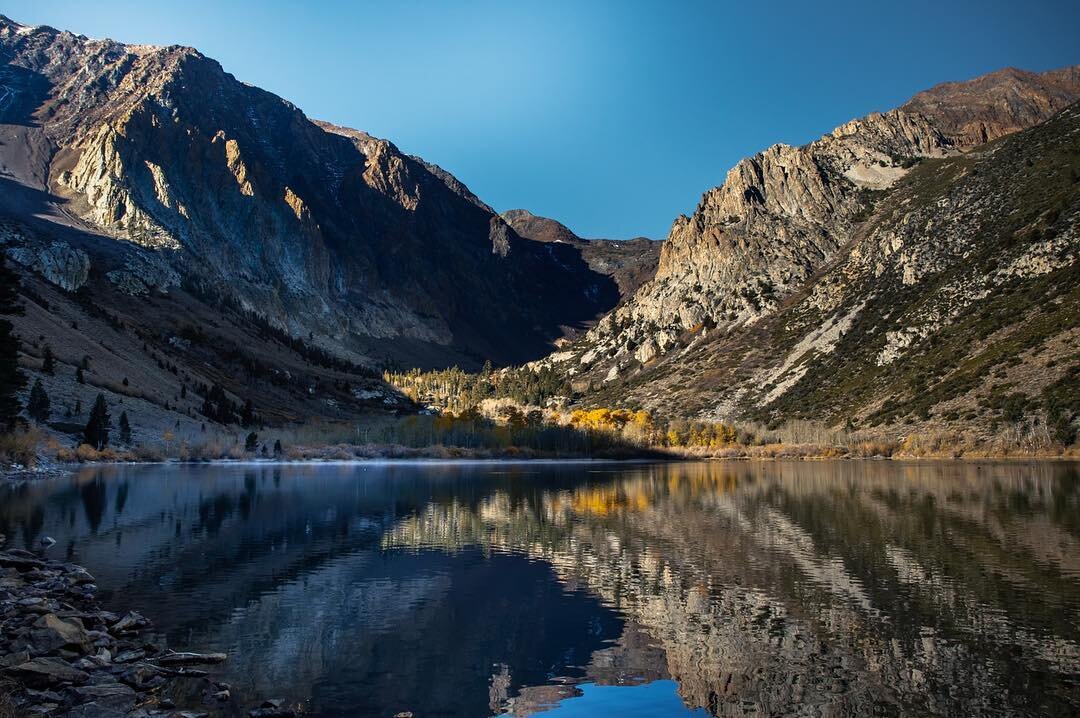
(613, 117)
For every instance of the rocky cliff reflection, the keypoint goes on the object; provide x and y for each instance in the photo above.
(760, 588)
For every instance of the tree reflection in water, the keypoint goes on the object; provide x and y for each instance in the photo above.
(847, 588)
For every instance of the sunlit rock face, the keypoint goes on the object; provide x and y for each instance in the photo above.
(783, 213)
(327, 232)
(873, 244)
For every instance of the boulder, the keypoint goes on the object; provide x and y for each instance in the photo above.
(110, 696)
(48, 671)
(51, 633)
(132, 621)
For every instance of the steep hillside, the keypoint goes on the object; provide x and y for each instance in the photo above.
(895, 270)
(630, 262)
(233, 194)
(159, 362)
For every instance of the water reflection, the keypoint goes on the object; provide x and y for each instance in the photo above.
(760, 588)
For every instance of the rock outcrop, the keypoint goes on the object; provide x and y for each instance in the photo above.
(58, 262)
(799, 260)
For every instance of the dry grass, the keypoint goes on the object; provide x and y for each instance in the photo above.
(877, 445)
(387, 437)
(7, 706)
(20, 447)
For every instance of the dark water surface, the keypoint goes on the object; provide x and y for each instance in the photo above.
(744, 588)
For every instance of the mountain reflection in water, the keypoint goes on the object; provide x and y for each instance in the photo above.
(838, 588)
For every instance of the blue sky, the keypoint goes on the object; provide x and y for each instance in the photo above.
(613, 117)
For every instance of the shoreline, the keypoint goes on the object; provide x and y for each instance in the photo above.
(62, 653)
(60, 469)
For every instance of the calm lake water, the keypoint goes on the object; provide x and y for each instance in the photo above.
(743, 588)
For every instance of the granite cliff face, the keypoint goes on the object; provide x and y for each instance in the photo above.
(327, 233)
(896, 204)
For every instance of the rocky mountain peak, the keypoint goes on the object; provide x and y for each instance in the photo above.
(975, 111)
(542, 229)
(784, 214)
(327, 232)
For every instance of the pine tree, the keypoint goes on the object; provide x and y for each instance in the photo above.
(247, 417)
(48, 361)
(79, 376)
(38, 404)
(252, 442)
(97, 428)
(277, 447)
(11, 379)
(125, 428)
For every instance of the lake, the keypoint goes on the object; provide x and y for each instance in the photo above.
(585, 589)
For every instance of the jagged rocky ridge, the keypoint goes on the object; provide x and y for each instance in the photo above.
(234, 195)
(786, 280)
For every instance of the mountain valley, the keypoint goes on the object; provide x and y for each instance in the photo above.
(190, 245)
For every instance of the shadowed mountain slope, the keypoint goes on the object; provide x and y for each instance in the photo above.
(327, 233)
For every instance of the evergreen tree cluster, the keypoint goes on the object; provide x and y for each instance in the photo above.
(125, 428)
(38, 404)
(96, 433)
(11, 379)
(48, 361)
(217, 406)
(456, 390)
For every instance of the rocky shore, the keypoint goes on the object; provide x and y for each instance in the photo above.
(61, 654)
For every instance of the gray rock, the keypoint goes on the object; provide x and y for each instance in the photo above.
(191, 659)
(14, 659)
(115, 696)
(131, 621)
(129, 656)
(59, 263)
(19, 560)
(96, 710)
(50, 671)
(52, 633)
